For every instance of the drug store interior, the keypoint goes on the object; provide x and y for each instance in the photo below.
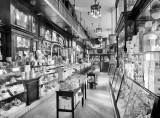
(48, 49)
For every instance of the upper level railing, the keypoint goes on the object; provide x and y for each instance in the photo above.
(63, 11)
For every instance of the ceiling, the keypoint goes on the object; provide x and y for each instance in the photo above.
(91, 23)
(88, 22)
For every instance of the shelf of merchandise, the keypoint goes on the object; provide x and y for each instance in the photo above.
(30, 85)
(12, 95)
(11, 113)
(7, 101)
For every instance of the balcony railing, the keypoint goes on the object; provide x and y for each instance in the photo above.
(69, 18)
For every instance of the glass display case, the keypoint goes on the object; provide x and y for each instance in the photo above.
(132, 99)
(112, 69)
(117, 81)
(12, 92)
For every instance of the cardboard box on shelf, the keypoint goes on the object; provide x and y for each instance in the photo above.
(150, 36)
(149, 42)
(146, 46)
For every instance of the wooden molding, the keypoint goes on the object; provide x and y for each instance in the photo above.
(122, 19)
(139, 7)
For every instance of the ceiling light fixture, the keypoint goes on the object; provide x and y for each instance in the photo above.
(96, 10)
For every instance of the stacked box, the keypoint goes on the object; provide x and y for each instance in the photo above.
(146, 66)
(134, 40)
(139, 42)
(154, 73)
(149, 42)
(148, 27)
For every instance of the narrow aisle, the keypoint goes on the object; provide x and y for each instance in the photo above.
(97, 105)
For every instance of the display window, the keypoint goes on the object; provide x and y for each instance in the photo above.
(47, 35)
(74, 44)
(34, 25)
(21, 19)
(22, 47)
(54, 36)
(61, 40)
(47, 47)
(42, 31)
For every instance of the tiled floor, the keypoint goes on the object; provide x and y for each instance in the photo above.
(97, 105)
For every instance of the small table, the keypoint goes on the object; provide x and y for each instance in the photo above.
(71, 94)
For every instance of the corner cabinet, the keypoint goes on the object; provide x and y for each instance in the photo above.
(131, 99)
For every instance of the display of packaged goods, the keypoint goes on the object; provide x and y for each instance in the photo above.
(149, 42)
(4, 95)
(8, 109)
(47, 84)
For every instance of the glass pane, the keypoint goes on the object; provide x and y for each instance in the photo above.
(140, 103)
(124, 96)
(120, 8)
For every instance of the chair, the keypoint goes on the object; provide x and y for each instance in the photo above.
(92, 83)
